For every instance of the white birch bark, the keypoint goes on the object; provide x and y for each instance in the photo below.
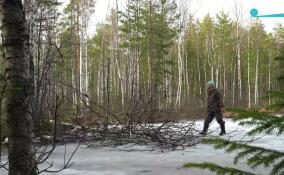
(238, 15)
(119, 71)
(239, 63)
(180, 70)
(249, 85)
(269, 78)
(256, 78)
(234, 85)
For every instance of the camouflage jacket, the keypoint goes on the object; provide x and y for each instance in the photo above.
(214, 101)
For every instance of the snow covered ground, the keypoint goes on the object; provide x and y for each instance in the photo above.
(138, 160)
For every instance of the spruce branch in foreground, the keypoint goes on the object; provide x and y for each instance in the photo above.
(262, 122)
(254, 156)
(217, 169)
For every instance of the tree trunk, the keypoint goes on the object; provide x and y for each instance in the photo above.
(249, 87)
(119, 72)
(239, 65)
(269, 79)
(180, 66)
(234, 85)
(152, 67)
(16, 54)
(256, 78)
(78, 60)
(224, 74)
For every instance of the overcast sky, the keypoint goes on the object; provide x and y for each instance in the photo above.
(202, 7)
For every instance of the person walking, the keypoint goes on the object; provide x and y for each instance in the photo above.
(215, 108)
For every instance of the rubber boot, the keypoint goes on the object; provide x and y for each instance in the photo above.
(203, 133)
(205, 128)
(223, 130)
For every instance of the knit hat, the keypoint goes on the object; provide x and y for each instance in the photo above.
(211, 84)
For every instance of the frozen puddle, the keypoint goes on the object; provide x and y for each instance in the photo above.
(137, 160)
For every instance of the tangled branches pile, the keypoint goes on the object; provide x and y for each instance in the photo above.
(166, 136)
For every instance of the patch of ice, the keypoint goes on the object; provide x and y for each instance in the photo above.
(113, 161)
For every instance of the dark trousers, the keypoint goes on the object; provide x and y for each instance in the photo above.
(210, 117)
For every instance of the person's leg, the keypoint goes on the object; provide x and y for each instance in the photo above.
(219, 118)
(207, 122)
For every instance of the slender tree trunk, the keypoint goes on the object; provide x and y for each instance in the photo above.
(238, 15)
(249, 86)
(152, 66)
(168, 83)
(16, 54)
(234, 85)
(269, 78)
(217, 76)
(186, 75)
(199, 81)
(180, 66)
(78, 60)
(119, 72)
(239, 65)
(256, 78)
(224, 74)
(99, 85)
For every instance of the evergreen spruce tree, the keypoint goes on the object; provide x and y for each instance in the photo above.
(148, 30)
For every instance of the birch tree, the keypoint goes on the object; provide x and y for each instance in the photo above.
(238, 22)
(16, 55)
